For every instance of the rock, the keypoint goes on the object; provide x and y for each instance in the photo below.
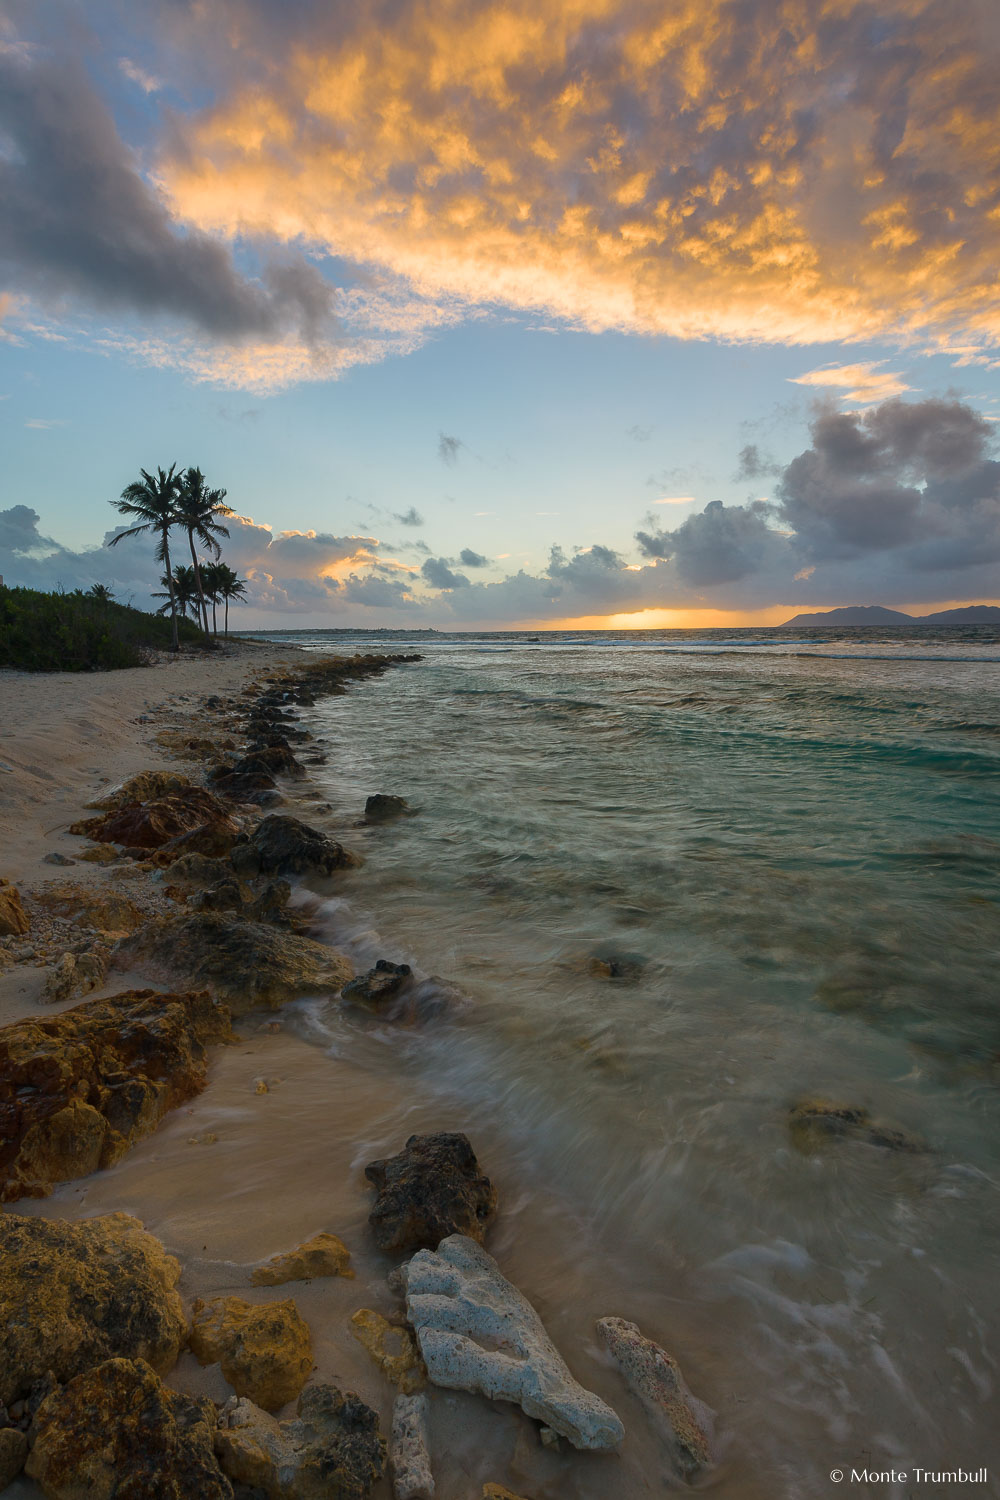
(246, 787)
(274, 760)
(13, 1452)
(249, 964)
(393, 1349)
(282, 845)
(55, 858)
(199, 869)
(13, 917)
(230, 894)
(78, 1089)
(409, 1451)
(378, 985)
(655, 1378)
(383, 807)
(815, 1122)
(117, 1431)
(214, 839)
(497, 1492)
(624, 966)
(94, 906)
(98, 854)
(323, 1255)
(72, 1295)
(333, 1451)
(74, 974)
(432, 1189)
(477, 1333)
(150, 825)
(145, 787)
(265, 1350)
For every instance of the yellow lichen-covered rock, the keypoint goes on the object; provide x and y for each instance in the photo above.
(13, 1452)
(332, 1451)
(13, 917)
(393, 1349)
(323, 1255)
(92, 906)
(73, 1295)
(75, 974)
(116, 1430)
(265, 1350)
(497, 1492)
(141, 788)
(77, 1089)
(100, 854)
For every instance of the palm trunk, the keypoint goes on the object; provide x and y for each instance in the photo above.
(197, 579)
(176, 645)
(227, 617)
(215, 618)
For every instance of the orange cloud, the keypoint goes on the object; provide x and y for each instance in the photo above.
(788, 171)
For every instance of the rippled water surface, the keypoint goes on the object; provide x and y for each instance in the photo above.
(671, 886)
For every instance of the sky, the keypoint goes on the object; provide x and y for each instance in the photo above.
(491, 315)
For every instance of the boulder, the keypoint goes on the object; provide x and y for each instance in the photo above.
(380, 983)
(265, 1350)
(477, 1333)
(13, 1452)
(814, 1123)
(13, 917)
(432, 1189)
(684, 1422)
(382, 807)
(323, 1255)
(55, 858)
(99, 854)
(150, 825)
(245, 786)
(116, 1431)
(281, 845)
(200, 869)
(249, 964)
(272, 760)
(145, 787)
(75, 974)
(409, 1449)
(96, 906)
(393, 1349)
(332, 1451)
(72, 1295)
(78, 1089)
(214, 839)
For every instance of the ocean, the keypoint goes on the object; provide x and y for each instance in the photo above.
(659, 889)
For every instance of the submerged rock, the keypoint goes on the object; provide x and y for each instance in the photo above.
(381, 983)
(265, 1350)
(77, 1089)
(117, 1430)
(250, 964)
(14, 920)
(655, 1378)
(815, 1122)
(477, 1333)
(392, 1348)
(409, 1450)
(382, 807)
(281, 845)
(72, 1295)
(323, 1255)
(432, 1189)
(332, 1451)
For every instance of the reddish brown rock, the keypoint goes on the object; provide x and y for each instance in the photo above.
(77, 1089)
(150, 825)
(432, 1189)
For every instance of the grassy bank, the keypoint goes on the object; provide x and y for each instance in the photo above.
(78, 633)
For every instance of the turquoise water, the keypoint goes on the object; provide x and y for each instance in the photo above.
(785, 849)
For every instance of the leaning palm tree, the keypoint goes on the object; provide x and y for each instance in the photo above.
(197, 509)
(154, 502)
(231, 587)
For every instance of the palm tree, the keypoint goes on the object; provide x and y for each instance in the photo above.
(197, 508)
(101, 593)
(210, 574)
(154, 502)
(230, 587)
(185, 591)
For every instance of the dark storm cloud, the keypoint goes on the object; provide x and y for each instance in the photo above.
(79, 221)
(721, 545)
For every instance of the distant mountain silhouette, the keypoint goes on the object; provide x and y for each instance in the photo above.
(876, 614)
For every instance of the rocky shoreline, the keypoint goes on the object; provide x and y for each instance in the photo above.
(190, 889)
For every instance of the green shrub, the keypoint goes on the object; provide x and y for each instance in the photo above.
(78, 633)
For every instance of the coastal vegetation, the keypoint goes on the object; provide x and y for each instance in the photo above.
(81, 632)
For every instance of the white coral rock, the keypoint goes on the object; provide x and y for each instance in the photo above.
(409, 1453)
(655, 1377)
(477, 1333)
